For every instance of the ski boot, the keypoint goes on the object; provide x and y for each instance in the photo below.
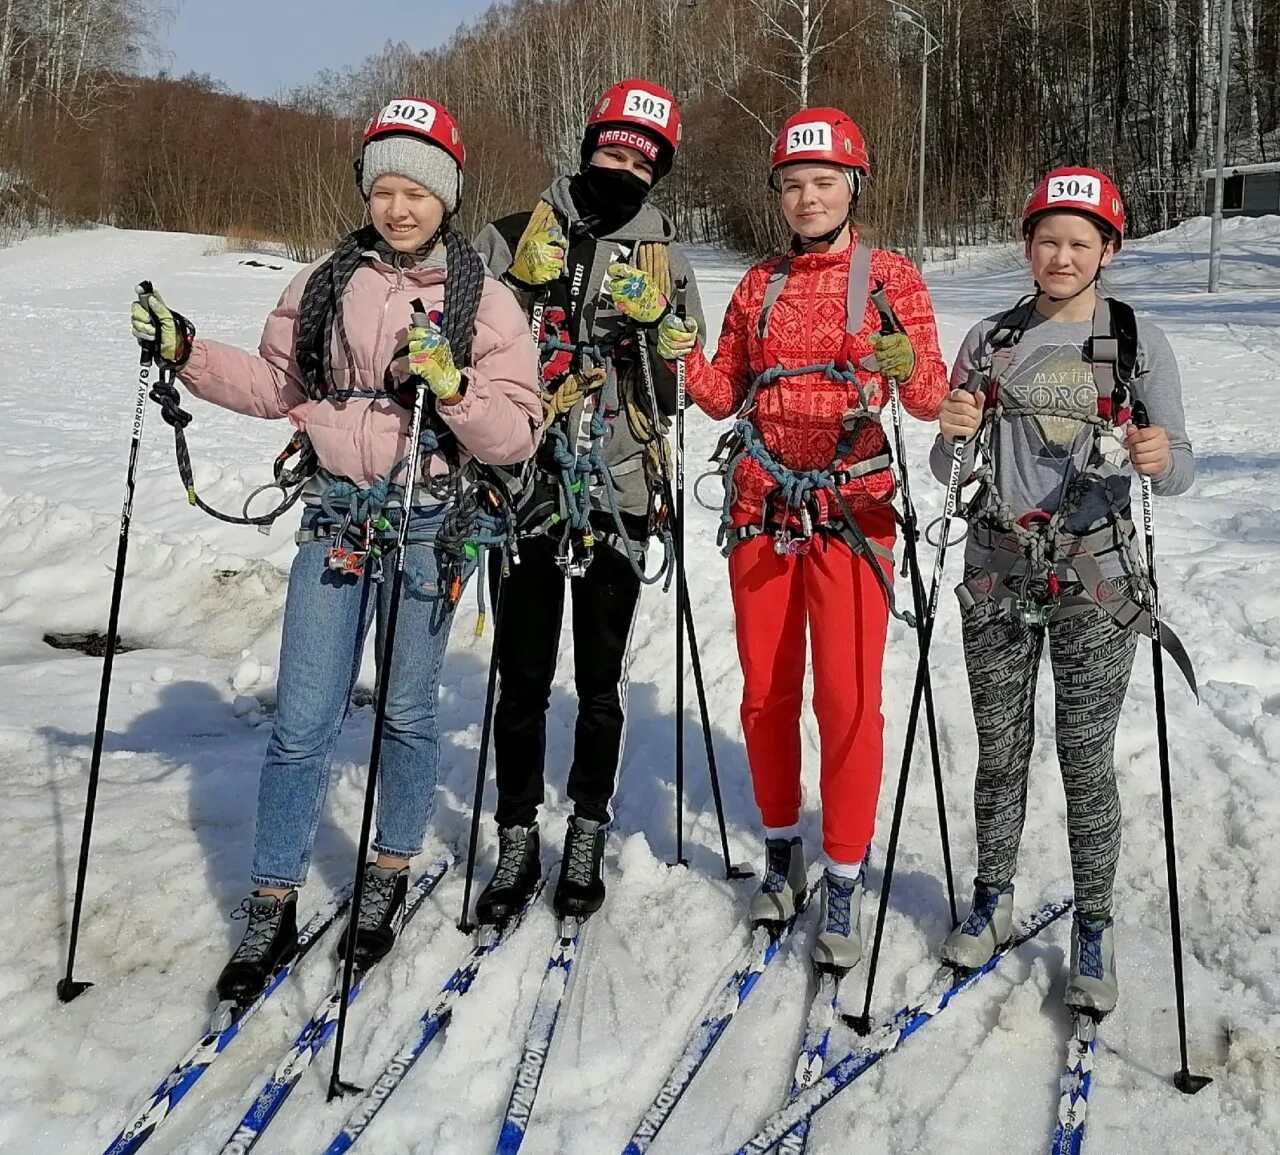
(580, 889)
(783, 890)
(988, 927)
(515, 876)
(837, 946)
(270, 940)
(1092, 989)
(381, 914)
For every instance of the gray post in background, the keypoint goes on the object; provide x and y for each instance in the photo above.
(1220, 151)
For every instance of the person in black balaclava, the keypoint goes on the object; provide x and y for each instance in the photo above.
(594, 265)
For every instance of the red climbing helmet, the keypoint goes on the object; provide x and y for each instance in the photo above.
(640, 115)
(1077, 190)
(426, 119)
(820, 136)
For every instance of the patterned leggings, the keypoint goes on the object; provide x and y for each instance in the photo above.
(1092, 657)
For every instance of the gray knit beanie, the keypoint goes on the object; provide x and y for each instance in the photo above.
(430, 166)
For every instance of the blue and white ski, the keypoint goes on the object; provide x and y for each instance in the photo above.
(1077, 1081)
(226, 1025)
(537, 1039)
(747, 969)
(887, 1038)
(431, 1024)
(319, 1029)
(813, 1054)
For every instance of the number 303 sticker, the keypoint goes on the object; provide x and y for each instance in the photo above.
(646, 106)
(1078, 188)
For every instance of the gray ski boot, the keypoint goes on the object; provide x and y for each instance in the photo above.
(1092, 988)
(783, 891)
(838, 944)
(988, 927)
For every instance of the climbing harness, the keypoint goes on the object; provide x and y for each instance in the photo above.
(792, 504)
(1044, 565)
(576, 377)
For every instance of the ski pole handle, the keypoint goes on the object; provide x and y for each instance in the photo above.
(889, 323)
(144, 289)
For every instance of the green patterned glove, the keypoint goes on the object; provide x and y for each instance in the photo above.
(539, 258)
(431, 359)
(676, 337)
(168, 334)
(635, 294)
(895, 354)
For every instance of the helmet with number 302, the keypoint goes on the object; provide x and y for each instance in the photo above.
(1078, 190)
(820, 136)
(640, 115)
(426, 119)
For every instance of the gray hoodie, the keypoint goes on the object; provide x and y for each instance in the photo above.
(599, 320)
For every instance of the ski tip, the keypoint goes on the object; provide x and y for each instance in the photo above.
(69, 989)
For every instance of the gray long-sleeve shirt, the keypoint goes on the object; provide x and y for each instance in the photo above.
(1036, 456)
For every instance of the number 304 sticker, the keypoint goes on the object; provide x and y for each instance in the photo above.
(413, 112)
(812, 137)
(1078, 188)
(646, 106)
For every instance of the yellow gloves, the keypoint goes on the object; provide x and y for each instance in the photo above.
(676, 337)
(166, 333)
(635, 294)
(895, 354)
(539, 257)
(431, 359)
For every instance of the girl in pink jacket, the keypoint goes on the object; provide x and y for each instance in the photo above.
(335, 358)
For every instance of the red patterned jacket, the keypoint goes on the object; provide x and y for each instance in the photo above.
(799, 418)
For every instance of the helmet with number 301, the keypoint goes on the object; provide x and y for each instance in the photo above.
(426, 119)
(1078, 190)
(820, 136)
(640, 115)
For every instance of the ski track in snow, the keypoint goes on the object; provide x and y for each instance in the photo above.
(190, 714)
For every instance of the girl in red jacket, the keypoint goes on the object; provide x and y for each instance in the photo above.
(809, 528)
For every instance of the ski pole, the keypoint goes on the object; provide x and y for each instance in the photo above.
(889, 323)
(68, 987)
(482, 759)
(862, 1023)
(1184, 1080)
(336, 1086)
(646, 372)
(678, 534)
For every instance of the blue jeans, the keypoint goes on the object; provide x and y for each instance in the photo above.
(326, 619)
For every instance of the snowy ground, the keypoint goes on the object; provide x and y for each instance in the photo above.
(189, 721)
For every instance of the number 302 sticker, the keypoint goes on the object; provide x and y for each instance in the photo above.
(413, 112)
(646, 106)
(1075, 187)
(812, 137)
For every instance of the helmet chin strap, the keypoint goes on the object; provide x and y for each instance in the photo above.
(804, 244)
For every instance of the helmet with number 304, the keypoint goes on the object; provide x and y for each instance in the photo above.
(820, 136)
(1078, 190)
(640, 115)
(426, 119)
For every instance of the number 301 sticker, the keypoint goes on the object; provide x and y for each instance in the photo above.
(812, 137)
(1075, 187)
(646, 106)
(413, 112)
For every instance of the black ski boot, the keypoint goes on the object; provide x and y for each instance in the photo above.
(518, 871)
(381, 914)
(580, 891)
(270, 940)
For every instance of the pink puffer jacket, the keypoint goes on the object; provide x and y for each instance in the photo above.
(498, 421)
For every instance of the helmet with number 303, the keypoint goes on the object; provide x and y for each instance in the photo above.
(1078, 190)
(820, 136)
(639, 115)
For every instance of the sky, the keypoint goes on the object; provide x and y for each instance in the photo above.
(264, 49)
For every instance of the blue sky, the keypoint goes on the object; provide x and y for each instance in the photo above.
(265, 47)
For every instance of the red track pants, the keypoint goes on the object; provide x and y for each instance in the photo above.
(836, 590)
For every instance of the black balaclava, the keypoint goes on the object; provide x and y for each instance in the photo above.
(607, 198)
